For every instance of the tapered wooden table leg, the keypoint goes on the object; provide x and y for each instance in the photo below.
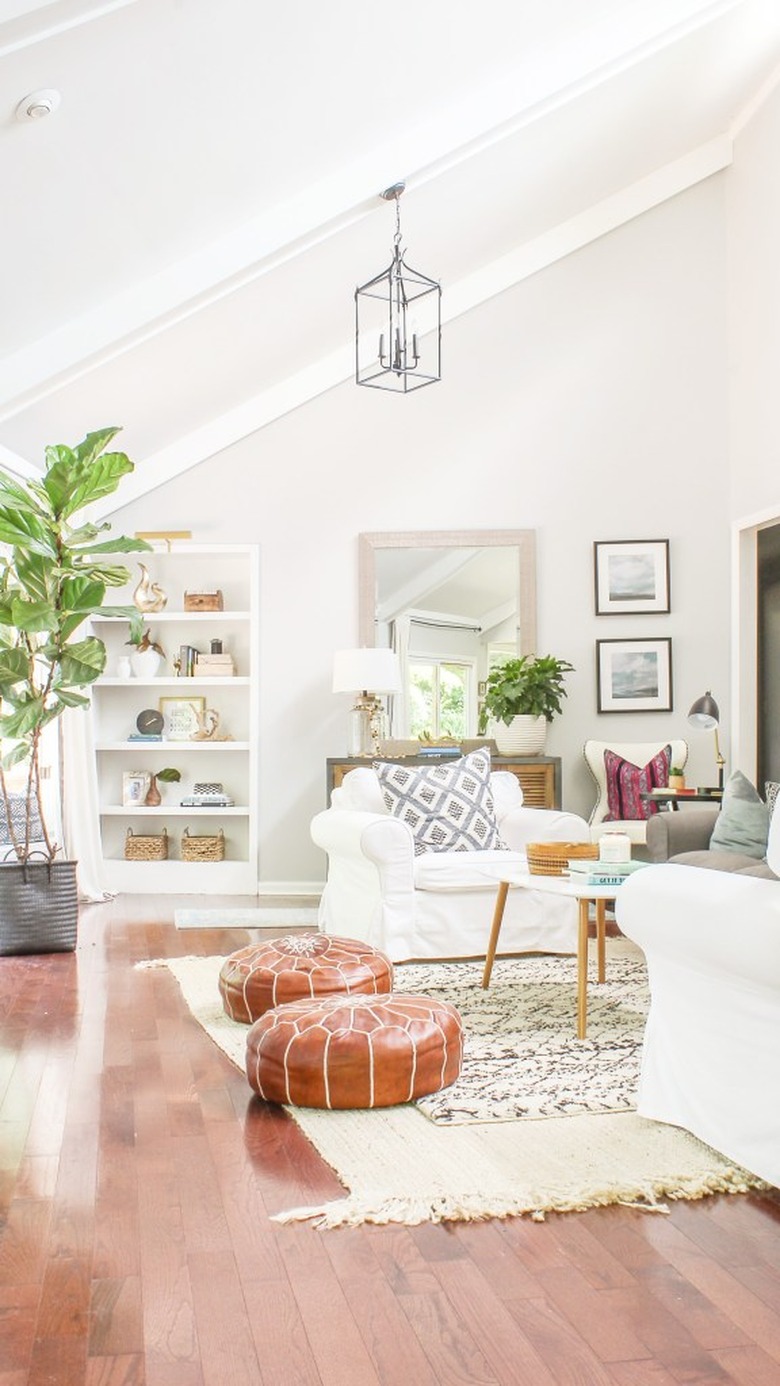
(601, 939)
(582, 969)
(498, 915)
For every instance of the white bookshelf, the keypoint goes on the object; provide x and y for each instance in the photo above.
(190, 567)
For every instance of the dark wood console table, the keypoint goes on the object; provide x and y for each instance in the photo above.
(539, 776)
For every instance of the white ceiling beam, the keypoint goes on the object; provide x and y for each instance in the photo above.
(22, 25)
(478, 121)
(254, 414)
(18, 466)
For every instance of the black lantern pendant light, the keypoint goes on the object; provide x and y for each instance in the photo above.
(398, 322)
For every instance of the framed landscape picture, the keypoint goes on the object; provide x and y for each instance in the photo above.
(631, 576)
(634, 675)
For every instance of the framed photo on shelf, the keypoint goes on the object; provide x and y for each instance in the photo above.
(182, 717)
(634, 675)
(135, 786)
(631, 577)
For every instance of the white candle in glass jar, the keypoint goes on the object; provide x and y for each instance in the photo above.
(615, 847)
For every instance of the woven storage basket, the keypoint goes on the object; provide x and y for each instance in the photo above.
(550, 858)
(146, 846)
(207, 847)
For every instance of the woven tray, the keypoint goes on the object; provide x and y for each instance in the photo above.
(146, 846)
(206, 847)
(550, 858)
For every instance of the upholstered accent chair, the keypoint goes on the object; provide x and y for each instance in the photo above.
(437, 904)
(637, 755)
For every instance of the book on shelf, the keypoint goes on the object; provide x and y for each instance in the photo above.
(584, 866)
(207, 801)
(145, 736)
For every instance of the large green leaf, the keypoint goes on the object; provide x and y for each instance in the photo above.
(32, 617)
(22, 720)
(95, 443)
(101, 478)
(35, 573)
(26, 529)
(123, 544)
(68, 698)
(14, 668)
(81, 593)
(14, 754)
(16, 496)
(83, 662)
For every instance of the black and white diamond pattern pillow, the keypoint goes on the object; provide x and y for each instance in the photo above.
(448, 807)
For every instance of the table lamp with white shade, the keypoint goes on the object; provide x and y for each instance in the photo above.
(367, 672)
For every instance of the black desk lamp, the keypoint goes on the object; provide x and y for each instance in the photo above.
(705, 713)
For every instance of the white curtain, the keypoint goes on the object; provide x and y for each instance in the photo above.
(80, 802)
(400, 631)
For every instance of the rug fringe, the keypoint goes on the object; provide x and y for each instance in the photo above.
(352, 1211)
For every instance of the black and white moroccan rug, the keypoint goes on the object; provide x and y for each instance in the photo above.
(522, 1057)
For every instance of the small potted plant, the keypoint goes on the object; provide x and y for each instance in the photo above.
(676, 778)
(147, 655)
(521, 697)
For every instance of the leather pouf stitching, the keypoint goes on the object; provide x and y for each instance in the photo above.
(355, 1051)
(263, 975)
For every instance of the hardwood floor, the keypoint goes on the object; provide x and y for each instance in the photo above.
(136, 1182)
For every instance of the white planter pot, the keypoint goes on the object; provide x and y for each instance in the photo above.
(525, 736)
(145, 663)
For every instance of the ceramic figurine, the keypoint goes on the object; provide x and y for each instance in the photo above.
(148, 595)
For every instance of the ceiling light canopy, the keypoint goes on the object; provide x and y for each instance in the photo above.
(398, 322)
(38, 104)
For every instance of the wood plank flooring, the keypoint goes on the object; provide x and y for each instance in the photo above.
(136, 1182)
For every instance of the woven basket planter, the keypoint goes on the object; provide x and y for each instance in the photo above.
(550, 858)
(38, 907)
(146, 846)
(206, 847)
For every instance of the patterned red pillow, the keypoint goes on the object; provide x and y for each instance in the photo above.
(625, 783)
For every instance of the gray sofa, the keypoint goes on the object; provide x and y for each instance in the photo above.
(683, 836)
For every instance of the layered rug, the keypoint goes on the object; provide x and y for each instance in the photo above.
(538, 1121)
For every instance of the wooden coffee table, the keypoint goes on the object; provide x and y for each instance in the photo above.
(585, 896)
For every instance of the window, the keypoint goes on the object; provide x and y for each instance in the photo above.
(439, 694)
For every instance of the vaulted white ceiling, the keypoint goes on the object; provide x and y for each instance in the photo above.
(182, 237)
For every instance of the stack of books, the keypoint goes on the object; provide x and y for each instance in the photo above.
(439, 752)
(207, 801)
(601, 873)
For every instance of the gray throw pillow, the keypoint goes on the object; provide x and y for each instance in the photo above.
(743, 822)
(448, 807)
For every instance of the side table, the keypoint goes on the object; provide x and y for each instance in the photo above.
(672, 798)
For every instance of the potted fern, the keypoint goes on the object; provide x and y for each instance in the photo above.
(521, 697)
(54, 572)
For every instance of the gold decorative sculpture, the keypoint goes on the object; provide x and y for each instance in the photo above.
(148, 595)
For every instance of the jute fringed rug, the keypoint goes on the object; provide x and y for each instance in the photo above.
(473, 1153)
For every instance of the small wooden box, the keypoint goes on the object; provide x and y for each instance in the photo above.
(204, 601)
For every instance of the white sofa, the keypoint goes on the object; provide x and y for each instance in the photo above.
(438, 904)
(711, 1058)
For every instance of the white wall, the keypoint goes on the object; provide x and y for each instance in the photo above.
(753, 208)
(587, 403)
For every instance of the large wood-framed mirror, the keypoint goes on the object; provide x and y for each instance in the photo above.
(451, 603)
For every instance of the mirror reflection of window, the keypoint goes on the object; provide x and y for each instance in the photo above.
(439, 696)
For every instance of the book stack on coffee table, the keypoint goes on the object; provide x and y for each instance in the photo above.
(601, 873)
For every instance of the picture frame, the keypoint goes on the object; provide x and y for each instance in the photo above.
(631, 577)
(135, 786)
(183, 717)
(634, 675)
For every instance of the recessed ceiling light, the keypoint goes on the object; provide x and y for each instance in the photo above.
(38, 104)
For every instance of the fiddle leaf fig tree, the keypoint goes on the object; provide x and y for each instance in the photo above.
(54, 572)
(531, 686)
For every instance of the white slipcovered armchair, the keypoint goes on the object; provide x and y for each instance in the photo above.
(711, 1056)
(437, 904)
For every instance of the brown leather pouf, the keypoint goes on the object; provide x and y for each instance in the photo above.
(354, 1051)
(263, 975)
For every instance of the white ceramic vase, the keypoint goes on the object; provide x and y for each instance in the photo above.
(145, 663)
(524, 736)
